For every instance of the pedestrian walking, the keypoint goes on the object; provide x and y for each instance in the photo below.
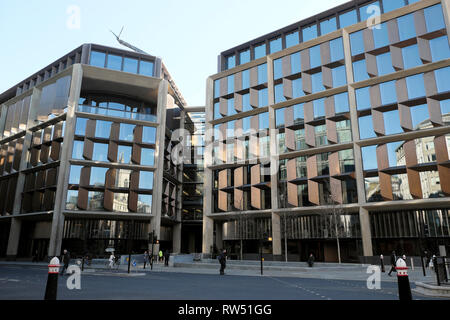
(65, 259)
(311, 260)
(223, 261)
(393, 263)
(145, 258)
(112, 260)
(431, 263)
(35, 256)
(166, 258)
(160, 255)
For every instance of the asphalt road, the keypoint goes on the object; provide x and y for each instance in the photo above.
(17, 283)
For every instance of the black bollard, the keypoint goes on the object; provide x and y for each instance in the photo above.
(52, 281)
(423, 266)
(404, 288)
(382, 263)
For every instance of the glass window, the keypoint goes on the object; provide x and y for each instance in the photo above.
(114, 62)
(445, 107)
(369, 10)
(120, 203)
(103, 129)
(393, 154)
(124, 154)
(147, 157)
(230, 82)
(244, 56)
(276, 45)
(357, 43)
(130, 65)
(339, 76)
(411, 57)
(297, 88)
(321, 135)
(360, 71)
(231, 62)
(98, 59)
(278, 69)
(380, 36)
(75, 173)
(328, 26)
(245, 79)
(299, 117)
(146, 68)
(314, 56)
(148, 134)
(262, 73)
(415, 86)
(419, 114)
(279, 94)
(263, 98)
(434, 18)
(97, 178)
(260, 51)
(316, 82)
(292, 39)
(216, 88)
(126, 132)
(442, 80)
(146, 180)
(392, 122)
(341, 103)
(366, 127)
(296, 65)
(319, 108)
(263, 121)
(217, 114)
(388, 93)
(391, 5)
(309, 33)
(122, 178)
(72, 199)
(439, 48)
(80, 128)
(100, 152)
(348, 18)
(363, 98)
(144, 204)
(369, 156)
(230, 107)
(279, 118)
(384, 64)
(95, 200)
(406, 27)
(246, 102)
(77, 151)
(246, 124)
(230, 129)
(336, 50)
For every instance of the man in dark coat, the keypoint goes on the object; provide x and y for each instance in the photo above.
(166, 258)
(223, 261)
(393, 263)
(311, 260)
(65, 259)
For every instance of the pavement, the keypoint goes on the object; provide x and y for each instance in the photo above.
(22, 280)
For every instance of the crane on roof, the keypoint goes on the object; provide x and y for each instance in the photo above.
(126, 44)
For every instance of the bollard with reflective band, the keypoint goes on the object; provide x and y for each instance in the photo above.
(404, 288)
(382, 263)
(52, 280)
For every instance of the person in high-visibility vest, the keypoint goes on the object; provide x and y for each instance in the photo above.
(160, 255)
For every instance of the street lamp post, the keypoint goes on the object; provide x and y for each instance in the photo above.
(283, 200)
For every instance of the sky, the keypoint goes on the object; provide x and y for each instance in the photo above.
(187, 35)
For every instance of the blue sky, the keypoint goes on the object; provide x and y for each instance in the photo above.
(188, 35)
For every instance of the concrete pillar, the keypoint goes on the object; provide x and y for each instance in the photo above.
(14, 237)
(176, 238)
(359, 170)
(155, 224)
(274, 164)
(3, 112)
(56, 235)
(366, 234)
(208, 223)
(219, 235)
(446, 10)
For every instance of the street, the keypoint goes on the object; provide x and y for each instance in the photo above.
(21, 282)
